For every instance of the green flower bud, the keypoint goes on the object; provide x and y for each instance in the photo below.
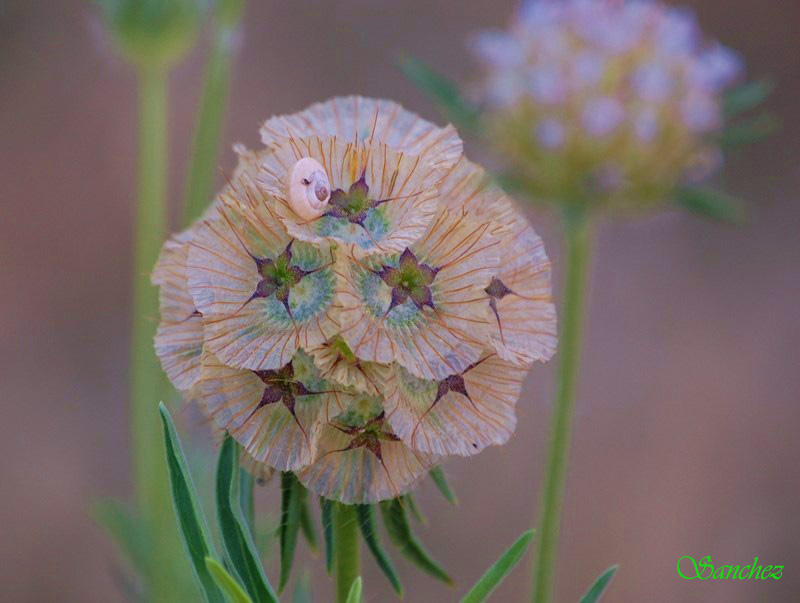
(153, 34)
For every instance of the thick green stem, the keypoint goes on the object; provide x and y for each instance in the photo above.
(346, 549)
(577, 228)
(202, 168)
(148, 385)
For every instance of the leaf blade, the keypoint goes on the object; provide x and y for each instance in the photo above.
(193, 527)
(440, 479)
(122, 525)
(290, 525)
(749, 131)
(747, 96)
(442, 91)
(498, 571)
(355, 592)
(399, 530)
(226, 582)
(240, 550)
(369, 530)
(711, 204)
(306, 520)
(326, 518)
(599, 587)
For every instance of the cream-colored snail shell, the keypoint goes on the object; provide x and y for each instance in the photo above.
(309, 189)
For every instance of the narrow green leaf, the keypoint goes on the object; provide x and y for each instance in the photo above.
(599, 587)
(306, 520)
(498, 572)
(412, 505)
(226, 582)
(246, 485)
(194, 530)
(237, 541)
(749, 131)
(746, 96)
(439, 478)
(396, 521)
(369, 530)
(442, 91)
(355, 592)
(326, 517)
(290, 524)
(302, 589)
(126, 529)
(711, 204)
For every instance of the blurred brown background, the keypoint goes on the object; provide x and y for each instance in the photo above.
(687, 426)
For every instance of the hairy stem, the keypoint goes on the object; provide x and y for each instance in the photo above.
(346, 549)
(577, 229)
(148, 385)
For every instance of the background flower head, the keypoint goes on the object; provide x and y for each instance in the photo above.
(613, 102)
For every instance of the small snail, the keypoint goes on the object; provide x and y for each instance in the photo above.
(308, 188)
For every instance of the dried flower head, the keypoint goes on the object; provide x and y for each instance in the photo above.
(356, 334)
(611, 101)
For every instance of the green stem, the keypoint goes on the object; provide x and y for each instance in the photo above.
(202, 168)
(577, 227)
(148, 384)
(346, 549)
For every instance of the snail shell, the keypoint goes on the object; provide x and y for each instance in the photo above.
(309, 189)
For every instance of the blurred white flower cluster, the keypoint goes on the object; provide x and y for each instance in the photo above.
(605, 101)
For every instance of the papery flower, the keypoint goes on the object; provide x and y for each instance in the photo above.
(359, 347)
(608, 102)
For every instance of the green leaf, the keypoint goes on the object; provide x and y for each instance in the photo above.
(710, 203)
(750, 131)
(194, 530)
(246, 484)
(226, 582)
(290, 524)
(326, 517)
(396, 521)
(746, 96)
(442, 91)
(438, 477)
(240, 550)
(498, 572)
(306, 520)
(366, 521)
(411, 502)
(355, 592)
(126, 529)
(302, 589)
(599, 587)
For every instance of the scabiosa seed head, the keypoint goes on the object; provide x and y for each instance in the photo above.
(359, 301)
(608, 102)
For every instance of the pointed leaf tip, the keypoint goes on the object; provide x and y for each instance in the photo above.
(355, 592)
(747, 96)
(439, 478)
(369, 530)
(226, 582)
(399, 530)
(498, 572)
(599, 587)
(711, 204)
(191, 520)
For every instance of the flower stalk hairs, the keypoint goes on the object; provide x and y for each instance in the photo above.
(342, 311)
(600, 107)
